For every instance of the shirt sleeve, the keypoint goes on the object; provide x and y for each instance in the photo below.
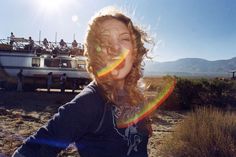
(72, 121)
(17, 154)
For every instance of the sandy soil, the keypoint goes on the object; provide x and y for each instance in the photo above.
(21, 114)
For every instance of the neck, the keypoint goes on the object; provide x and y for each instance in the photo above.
(120, 84)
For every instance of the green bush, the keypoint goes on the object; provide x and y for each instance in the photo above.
(190, 93)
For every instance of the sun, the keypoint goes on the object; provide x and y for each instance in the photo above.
(50, 6)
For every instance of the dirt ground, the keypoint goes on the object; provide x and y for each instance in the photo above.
(21, 114)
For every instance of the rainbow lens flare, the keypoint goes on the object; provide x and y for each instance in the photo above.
(147, 109)
(107, 69)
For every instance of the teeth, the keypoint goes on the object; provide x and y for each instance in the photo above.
(116, 58)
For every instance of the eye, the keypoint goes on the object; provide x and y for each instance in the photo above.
(125, 39)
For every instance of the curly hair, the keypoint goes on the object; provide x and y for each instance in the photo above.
(95, 61)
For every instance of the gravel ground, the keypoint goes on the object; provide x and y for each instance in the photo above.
(21, 114)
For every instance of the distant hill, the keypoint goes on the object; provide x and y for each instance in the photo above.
(191, 67)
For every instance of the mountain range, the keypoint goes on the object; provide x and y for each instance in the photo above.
(191, 67)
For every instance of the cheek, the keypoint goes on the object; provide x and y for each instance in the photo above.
(128, 46)
(132, 56)
(130, 59)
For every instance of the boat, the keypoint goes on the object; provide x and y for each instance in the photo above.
(38, 61)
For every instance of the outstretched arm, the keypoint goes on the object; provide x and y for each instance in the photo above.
(71, 122)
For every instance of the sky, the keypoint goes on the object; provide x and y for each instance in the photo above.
(180, 28)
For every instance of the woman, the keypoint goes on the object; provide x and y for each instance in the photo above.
(95, 118)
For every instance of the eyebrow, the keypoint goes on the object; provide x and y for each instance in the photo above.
(107, 34)
(124, 33)
(104, 32)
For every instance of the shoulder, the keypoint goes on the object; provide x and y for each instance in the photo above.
(85, 109)
(89, 100)
(91, 93)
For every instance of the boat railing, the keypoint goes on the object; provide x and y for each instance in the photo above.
(21, 45)
(3, 41)
(4, 45)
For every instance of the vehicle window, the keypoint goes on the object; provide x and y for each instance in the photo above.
(52, 62)
(35, 62)
(65, 63)
(81, 64)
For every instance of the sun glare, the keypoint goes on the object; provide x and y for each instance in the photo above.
(50, 6)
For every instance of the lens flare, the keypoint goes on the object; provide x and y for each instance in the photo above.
(107, 69)
(148, 108)
(74, 18)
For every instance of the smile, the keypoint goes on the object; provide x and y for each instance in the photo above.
(118, 62)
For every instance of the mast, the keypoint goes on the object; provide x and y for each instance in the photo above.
(39, 36)
(55, 37)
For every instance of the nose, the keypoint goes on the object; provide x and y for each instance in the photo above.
(114, 49)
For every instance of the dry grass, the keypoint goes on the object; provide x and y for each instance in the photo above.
(206, 132)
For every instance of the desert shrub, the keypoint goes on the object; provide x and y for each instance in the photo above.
(206, 132)
(190, 93)
(220, 92)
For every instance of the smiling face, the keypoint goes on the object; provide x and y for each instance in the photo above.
(114, 47)
(117, 48)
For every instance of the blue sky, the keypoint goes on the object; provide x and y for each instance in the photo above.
(181, 28)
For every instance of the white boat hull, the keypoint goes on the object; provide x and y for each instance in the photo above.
(11, 63)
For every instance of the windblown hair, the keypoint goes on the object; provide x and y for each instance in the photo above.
(95, 60)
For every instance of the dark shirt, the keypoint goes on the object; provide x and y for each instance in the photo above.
(20, 76)
(88, 121)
